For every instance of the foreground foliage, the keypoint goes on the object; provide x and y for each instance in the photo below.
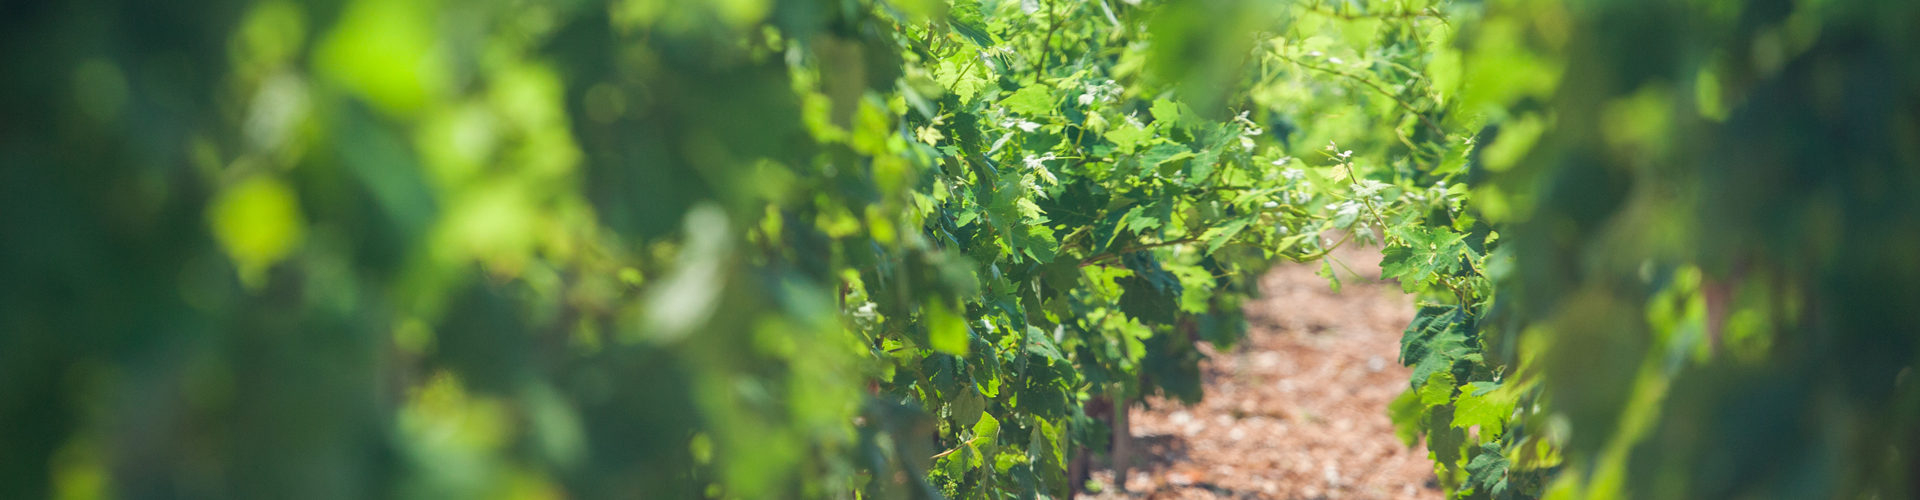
(1712, 278)
(1700, 218)
(727, 249)
(842, 249)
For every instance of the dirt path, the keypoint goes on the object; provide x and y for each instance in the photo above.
(1298, 410)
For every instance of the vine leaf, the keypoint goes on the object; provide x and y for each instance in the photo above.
(946, 331)
(1434, 341)
(1333, 280)
(1130, 137)
(965, 18)
(1038, 342)
(986, 436)
(1138, 220)
(1426, 254)
(1037, 242)
(961, 78)
(1152, 293)
(1487, 405)
(1032, 100)
(1438, 390)
(1163, 153)
(1166, 112)
(1407, 412)
(1444, 443)
(1487, 471)
(1223, 233)
(968, 408)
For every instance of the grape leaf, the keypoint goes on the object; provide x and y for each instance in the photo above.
(1166, 113)
(1426, 254)
(1487, 468)
(1434, 341)
(965, 18)
(1438, 390)
(1407, 413)
(1220, 235)
(1036, 241)
(945, 330)
(1487, 405)
(1031, 100)
(961, 78)
(1444, 443)
(968, 407)
(987, 429)
(1038, 342)
(1129, 137)
(1163, 153)
(1138, 220)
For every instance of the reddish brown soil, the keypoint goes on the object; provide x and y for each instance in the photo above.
(1298, 410)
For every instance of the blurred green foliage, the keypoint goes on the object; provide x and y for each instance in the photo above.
(1701, 228)
(740, 249)
(813, 248)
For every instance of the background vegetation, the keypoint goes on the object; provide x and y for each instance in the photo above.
(813, 248)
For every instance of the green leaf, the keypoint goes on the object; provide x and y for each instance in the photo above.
(1006, 461)
(956, 464)
(1163, 153)
(1202, 166)
(989, 387)
(1139, 219)
(1487, 468)
(968, 408)
(1008, 217)
(1222, 234)
(1036, 241)
(1032, 100)
(1423, 256)
(1130, 137)
(1109, 229)
(945, 330)
(1049, 446)
(1147, 301)
(1289, 242)
(1326, 271)
(1407, 413)
(1038, 342)
(965, 18)
(987, 429)
(1435, 341)
(1444, 443)
(961, 77)
(1487, 405)
(1166, 113)
(258, 222)
(1438, 389)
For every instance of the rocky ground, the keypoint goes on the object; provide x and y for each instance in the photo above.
(1298, 410)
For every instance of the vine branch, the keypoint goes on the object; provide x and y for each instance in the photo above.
(1383, 91)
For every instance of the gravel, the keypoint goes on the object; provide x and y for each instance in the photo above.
(1299, 409)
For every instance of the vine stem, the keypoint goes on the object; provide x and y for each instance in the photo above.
(1112, 255)
(1353, 179)
(1324, 251)
(1383, 15)
(1053, 24)
(963, 444)
(1383, 91)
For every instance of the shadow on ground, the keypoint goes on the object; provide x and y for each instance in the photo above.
(1298, 410)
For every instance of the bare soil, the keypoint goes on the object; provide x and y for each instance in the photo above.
(1296, 411)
